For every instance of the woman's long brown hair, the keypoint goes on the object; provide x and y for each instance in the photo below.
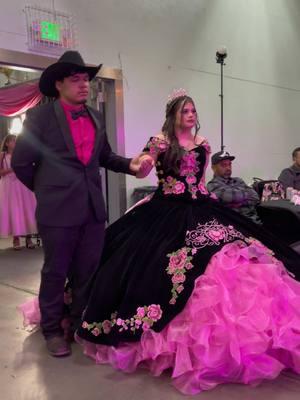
(7, 138)
(174, 151)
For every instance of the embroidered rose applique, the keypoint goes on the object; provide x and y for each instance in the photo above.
(144, 319)
(202, 188)
(179, 264)
(173, 186)
(211, 233)
(156, 146)
(189, 164)
(206, 145)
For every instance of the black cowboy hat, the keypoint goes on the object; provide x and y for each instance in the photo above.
(68, 63)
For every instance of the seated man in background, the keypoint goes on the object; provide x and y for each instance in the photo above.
(290, 177)
(232, 192)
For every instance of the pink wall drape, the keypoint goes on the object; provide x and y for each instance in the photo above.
(17, 99)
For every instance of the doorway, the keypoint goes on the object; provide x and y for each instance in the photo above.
(106, 96)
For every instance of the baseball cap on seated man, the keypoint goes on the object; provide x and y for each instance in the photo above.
(221, 156)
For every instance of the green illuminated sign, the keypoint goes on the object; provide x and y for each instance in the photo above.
(50, 31)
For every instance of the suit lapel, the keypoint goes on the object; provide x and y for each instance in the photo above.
(64, 126)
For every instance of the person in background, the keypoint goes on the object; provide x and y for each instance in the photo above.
(290, 177)
(17, 203)
(232, 192)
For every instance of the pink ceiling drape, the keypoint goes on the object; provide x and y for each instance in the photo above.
(17, 99)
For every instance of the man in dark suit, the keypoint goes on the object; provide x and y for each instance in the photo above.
(58, 156)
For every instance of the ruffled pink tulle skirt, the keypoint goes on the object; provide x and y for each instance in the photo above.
(241, 324)
(31, 313)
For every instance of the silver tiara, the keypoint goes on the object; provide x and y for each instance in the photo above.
(176, 94)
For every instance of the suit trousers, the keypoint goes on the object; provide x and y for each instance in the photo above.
(69, 252)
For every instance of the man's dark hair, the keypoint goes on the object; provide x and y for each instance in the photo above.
(294, 153)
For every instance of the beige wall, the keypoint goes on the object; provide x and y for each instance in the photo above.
(162, 44)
